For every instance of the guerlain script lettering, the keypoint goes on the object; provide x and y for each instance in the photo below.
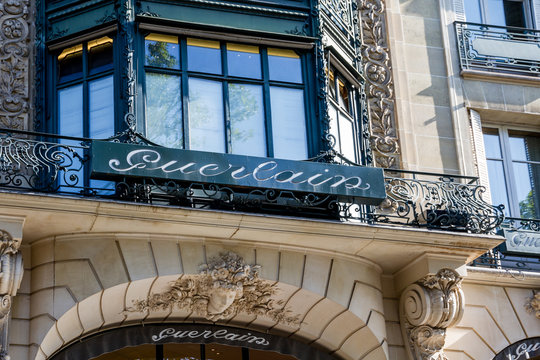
(210, 334)
(523, 351)
(267, 170)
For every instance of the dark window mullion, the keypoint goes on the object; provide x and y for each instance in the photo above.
(86, 109)
(267, 104)
(226, 106)
(184, 92)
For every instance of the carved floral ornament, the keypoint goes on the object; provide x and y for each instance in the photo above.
(427, 309)
(533, 304)
(225, 287)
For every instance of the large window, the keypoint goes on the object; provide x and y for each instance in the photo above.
(224, 97)
(499, 12)
(513, 159)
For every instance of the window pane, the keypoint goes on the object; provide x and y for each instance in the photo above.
(524, 147)
(70, 63)
(247, 120)
(284, 65)
(70, 123)
(527, 181)
(164, 110)
(472, 11)
(495, 11)
(206, 125)
(347, 138)
(244, 61)
(332, 84)
(497, 185)
(162, 51)
(334, 130)
(223, 352)
(492, 144)
(101, 119)
(204, 56)
(514, 13)
(100, 55)
(288, 123)
(343, 94)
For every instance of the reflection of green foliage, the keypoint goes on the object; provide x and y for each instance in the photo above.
(158, 55)
(527, 207)
(243, 106)
(163, 115)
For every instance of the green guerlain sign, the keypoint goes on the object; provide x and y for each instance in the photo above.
(522, 241)
(128, 160)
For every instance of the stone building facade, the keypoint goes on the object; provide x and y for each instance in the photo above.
(98, 264)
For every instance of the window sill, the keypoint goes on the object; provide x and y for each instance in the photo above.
(500, 77)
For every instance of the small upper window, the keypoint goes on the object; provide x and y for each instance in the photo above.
(224, 97)
(514, 13)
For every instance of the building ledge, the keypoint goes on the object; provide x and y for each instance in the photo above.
(502, 277)
(499, 77)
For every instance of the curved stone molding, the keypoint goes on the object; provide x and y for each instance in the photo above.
(11, 271)
(14, 51)
(225, 287)
(427, 308)
(380, 84)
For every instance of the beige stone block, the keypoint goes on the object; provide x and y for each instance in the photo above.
(51, 342)
(425, 60)
(161, 285)
(393, 333)
(269, 262)
(78, 277)
(479, 319)
(90, 312)
(519, 298)
(474, 94)
(42, 277)
(39, 355)
(20, 352)
(341, 327)
(137, 291)
(391, 309)
(63, 301)
(19, 331)
(396, 353)
(241, 320)
(102, 253)
(466, 340)
(344, 276)
(494, 95)
(432, 120)
(138, 257)
(291, 268)
(424, 8)
(437, 153)
(39, 327)
(42, 252)
(42, 302)
(359, 344)
(69, 325)
(318, 318)
(26, 282)
(514, 99)
(532, 99)
(420, 31)
(428, 90)
(388, 288)
(262, 324)
(395, 29)
(20, 308)
(456, 355)
(192, 257)
(377, 354)
(365, 299)
(112, 305)
(499, 305)
(377, 325)
(316, 272)
(167, 256)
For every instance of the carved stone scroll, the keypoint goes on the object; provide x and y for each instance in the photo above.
(427, 309)
(380, 84)
(11, 271)
(14, 53)
(225, 286)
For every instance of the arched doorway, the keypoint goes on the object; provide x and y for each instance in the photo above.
(187, 342)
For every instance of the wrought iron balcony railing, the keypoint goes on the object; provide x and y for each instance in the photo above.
(498, 49)
(47, 163)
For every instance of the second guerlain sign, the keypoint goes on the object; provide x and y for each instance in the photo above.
(129, 160)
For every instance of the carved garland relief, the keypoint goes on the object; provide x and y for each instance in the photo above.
(380, 84)
(14, 52)
(533, 304)
(225, 286)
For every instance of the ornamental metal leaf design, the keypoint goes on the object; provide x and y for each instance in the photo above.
(225, 286)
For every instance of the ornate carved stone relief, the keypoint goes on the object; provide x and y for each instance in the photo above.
(380, 84)
(11, 271)
(533, 304)
(427, 309)
(225, 287)
(14, 52)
